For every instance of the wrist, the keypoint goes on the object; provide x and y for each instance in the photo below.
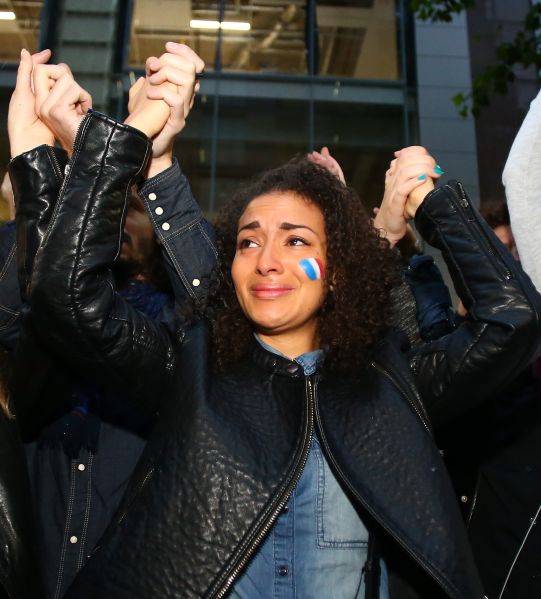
(392, 234)
(139, 124)
(159, 164)
(417, 196)
(28, 143)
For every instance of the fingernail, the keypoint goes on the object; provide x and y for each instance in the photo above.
(421, 177)
(438, 170)
(174, 44)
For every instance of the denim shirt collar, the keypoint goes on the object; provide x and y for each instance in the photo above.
(309, 361)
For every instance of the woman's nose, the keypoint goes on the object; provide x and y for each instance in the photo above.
(268, 261)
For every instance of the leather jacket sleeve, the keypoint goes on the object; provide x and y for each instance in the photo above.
(36, 177)
(502, 333)
(10, 298)
(186, 238)
(72, 297)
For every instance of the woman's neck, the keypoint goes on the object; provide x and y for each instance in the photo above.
(291, 345)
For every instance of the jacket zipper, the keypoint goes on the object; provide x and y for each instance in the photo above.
(241, 562)
(415, 403)
(54, 159)
(124, 512)
(474, 499)
(492, 251)
(345, 481)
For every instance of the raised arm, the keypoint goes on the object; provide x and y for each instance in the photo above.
(522, 181)
(36, 173)
(186, 237)
(502, 331)
(72, 297)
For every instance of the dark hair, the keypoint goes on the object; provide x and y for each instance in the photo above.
(360, 270)
(496, 215)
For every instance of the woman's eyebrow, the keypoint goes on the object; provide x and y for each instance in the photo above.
(253, 225)
(290, 226)
(284, 226)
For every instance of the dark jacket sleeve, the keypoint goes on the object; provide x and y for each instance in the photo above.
(35, 175)
(72, 296)
(502, 333)
(185, 236)
(10, 298)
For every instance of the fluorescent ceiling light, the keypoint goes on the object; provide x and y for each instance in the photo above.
(225, 25)
(235, 26)
(7, 15)
(196, 24)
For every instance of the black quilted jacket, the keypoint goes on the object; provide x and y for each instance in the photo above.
(228, 449)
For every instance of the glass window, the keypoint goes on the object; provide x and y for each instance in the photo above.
(358, 38)
(255, 135)
(155, 22)
(352, 38)
(362, 138)
(19, 27)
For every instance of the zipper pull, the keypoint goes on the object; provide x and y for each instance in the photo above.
(463, 198)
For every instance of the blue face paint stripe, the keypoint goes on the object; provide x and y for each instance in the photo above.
(308, 268)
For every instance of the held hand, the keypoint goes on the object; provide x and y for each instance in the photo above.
(25, 129)
(145, 114)
(170, 83)
(60, 102)
(407, 181)
(325, 160)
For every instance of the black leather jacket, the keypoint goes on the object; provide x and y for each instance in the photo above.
(19, 578)
(37, 176)
(229, 448)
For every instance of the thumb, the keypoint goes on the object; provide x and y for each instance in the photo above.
(134, 89)
(24, 72)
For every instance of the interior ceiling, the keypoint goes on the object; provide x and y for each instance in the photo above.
(21, 33)
(357, 38)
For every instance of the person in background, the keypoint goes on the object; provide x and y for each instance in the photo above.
(498, 219)
(522, 181)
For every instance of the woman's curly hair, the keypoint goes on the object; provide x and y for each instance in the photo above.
(360, 269)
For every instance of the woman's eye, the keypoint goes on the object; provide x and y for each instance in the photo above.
(246, 243)
(297, 241)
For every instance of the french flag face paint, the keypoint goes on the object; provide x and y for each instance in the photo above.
(313, 267)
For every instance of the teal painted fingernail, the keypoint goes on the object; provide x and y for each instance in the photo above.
(421, 177)
(438, 170)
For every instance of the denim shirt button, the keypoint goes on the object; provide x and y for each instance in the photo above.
(283, 570)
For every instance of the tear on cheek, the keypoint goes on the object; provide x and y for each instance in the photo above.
(313, 267)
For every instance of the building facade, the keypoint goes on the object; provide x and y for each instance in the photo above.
(282, 77)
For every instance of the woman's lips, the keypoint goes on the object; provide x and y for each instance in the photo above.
(270, 291)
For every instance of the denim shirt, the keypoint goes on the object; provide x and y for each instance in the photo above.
(318, 546)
